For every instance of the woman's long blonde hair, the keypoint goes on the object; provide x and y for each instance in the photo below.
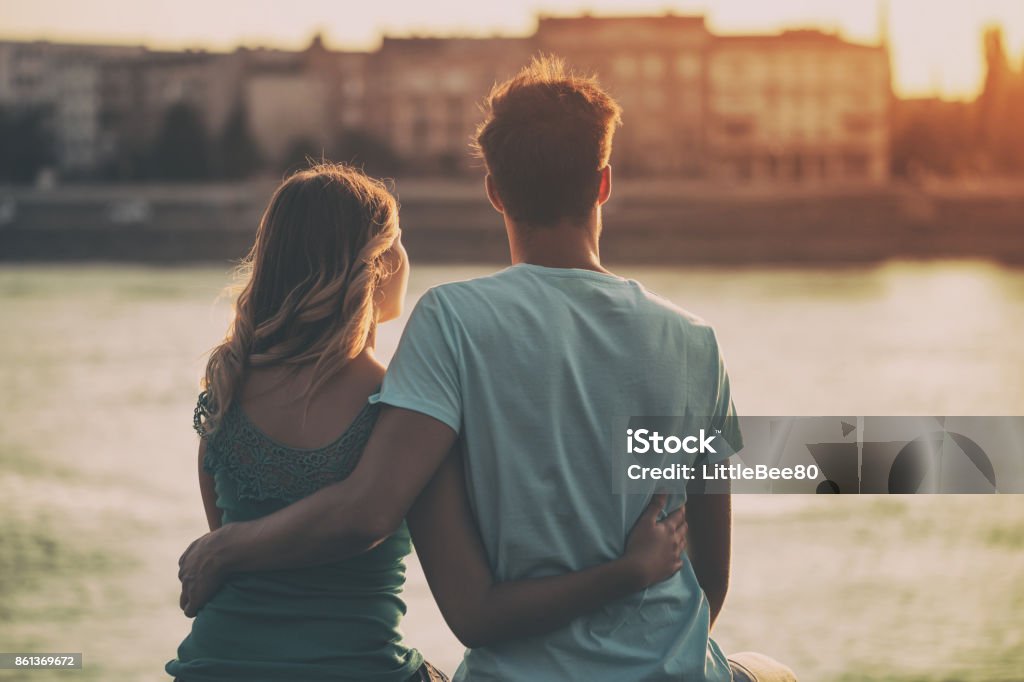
(308, 284)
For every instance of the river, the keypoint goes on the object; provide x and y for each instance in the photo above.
(97, 464)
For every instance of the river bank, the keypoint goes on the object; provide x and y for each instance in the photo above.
(450, 221)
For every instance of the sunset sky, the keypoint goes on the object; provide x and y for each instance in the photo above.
(936, 43)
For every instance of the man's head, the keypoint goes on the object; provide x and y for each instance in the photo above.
(546, 139)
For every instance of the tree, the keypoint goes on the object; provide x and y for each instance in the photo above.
(933, 136)
(26, 144)
(301, 151)
(239, 154)
(182, 148)
(362, 149)
(1000, 107)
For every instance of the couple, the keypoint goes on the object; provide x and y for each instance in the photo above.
(483, 443)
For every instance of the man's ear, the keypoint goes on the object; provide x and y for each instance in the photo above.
(492, 194)
(604, 191)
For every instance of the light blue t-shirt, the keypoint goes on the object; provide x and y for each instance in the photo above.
(530, 365)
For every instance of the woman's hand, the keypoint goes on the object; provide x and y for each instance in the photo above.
(654, 548)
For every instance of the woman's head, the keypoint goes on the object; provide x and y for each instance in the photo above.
(327, 266)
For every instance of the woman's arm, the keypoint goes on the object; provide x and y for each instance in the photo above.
(207, 488)
(335, 523)
(480, 611)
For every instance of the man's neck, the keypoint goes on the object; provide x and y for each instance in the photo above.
(556, 246)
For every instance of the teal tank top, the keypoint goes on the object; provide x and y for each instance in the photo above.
(334, 622)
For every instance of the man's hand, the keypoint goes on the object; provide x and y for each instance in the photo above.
(200, 572)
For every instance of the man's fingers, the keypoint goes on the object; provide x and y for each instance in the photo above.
(184, 557)
(188, 550)
(654, 508)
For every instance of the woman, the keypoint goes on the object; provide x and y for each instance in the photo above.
(327, 266)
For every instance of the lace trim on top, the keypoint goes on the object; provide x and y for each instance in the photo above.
(264, 469)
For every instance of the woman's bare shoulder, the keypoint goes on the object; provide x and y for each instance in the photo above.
(278, 403)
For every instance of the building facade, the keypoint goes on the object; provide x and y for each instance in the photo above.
(656, 68)
(424, 94)
(61, 84)
(799, 106)
(802, 106)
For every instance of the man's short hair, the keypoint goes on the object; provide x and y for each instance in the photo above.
(546, 134)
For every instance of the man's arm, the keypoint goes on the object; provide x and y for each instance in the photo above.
(710, 519)
(336, 522)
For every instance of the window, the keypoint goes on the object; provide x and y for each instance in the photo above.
(855, 165)
(352, 88)
(455, 81)
(737, 127)
(624, 66)
(798, 167)
(744, 168)
(689, 103)
(654, 98)
(456, 126)
(419, 81)
(654, 67)
(858, 125)
(822, 163)
(420, 124)
(688, 66)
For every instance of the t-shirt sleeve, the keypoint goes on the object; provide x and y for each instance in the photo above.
(424, 374)
(723, 414)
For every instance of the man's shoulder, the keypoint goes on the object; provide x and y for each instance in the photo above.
(507, 285)
(659, 306)
(493, 284)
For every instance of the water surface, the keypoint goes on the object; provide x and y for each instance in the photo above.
(97, 464)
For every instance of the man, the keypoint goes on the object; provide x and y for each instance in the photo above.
(528, 366)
